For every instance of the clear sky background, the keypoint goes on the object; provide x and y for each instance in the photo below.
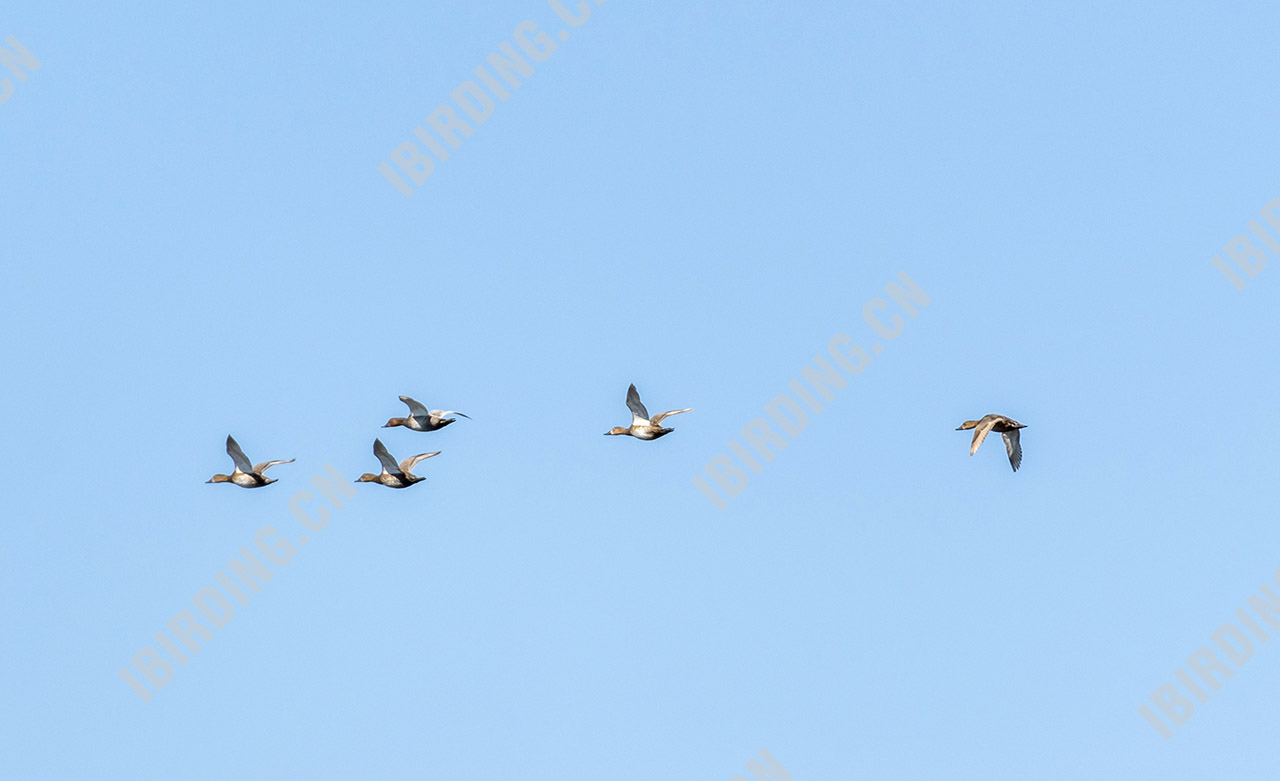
(694, 198)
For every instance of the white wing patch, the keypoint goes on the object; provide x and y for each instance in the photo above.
(265, 465)
(409, 463)
(657, 419)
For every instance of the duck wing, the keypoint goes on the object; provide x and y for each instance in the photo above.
(980, 433)
(265, 465)
(639, 415)
(416, 408)
(237, 456)
(409, 463)
(444, 413)
(657, 419)
(1013, 445)
(388, 463)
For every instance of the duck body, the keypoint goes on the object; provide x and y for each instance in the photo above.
(640, 432)
(245, 480)
(1007, 427)
(428, 423)
(390, 480)
(642, 426)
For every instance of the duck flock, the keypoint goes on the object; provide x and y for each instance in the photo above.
(400, 474)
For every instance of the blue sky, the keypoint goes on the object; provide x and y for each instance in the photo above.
(695, 198)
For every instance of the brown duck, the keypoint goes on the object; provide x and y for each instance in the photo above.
(423, 419)
(1008, 427)
(246, 475)
(642, 426)
(394, 475)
